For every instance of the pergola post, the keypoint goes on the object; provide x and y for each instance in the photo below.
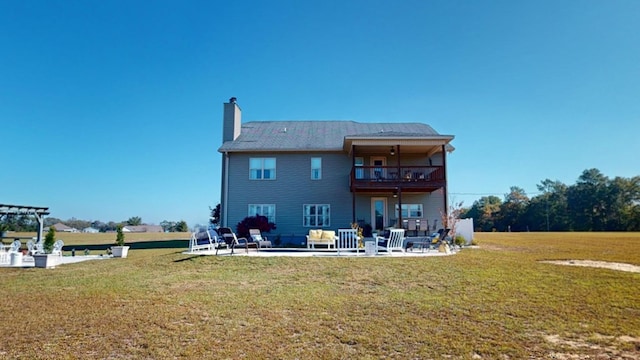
(40, 227)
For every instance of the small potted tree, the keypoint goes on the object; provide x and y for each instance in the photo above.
(120, 250)
(3, 229)
(47, 260)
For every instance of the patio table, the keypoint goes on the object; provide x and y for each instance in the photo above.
(421, 243)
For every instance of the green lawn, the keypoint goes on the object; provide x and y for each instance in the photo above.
(496, 301)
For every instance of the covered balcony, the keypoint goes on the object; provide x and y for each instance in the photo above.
(389, 178)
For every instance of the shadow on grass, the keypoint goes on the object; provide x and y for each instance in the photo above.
(190, 258)
(154, 244)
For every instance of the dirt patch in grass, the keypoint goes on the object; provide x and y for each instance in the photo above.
(601, 346)
(597, 264)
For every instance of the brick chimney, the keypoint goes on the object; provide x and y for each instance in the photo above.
(232, 121)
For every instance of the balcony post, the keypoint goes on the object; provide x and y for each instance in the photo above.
(353, 193)
(444, 175)
(400, 207)
(398, 163)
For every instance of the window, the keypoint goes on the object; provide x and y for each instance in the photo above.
(315, 215)
(410, 211)
(316, 168)
(268, 210)
(359, 162)
(262, 168)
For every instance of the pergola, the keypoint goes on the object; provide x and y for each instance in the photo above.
(17, 210)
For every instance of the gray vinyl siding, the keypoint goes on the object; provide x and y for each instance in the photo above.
(363, 207)
(433, 208)
(291, 189)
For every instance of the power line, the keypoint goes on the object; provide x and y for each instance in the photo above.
(485, 194)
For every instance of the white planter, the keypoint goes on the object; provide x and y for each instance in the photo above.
(370, 247)
(120, 251)
(46, 261)
(16, 259)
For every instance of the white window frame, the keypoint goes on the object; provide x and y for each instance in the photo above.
(316, 172)
(268, 210)
(410, 211)
(316, 215)
(260, 169)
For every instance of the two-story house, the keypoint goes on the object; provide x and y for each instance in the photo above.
(305, 175)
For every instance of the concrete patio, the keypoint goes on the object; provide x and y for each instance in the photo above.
(281, 252)
(28, 261)
(303, 252)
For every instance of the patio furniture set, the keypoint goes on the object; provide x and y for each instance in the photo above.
(12, 254)
(225, 238)
(343, 242)
(347, 240)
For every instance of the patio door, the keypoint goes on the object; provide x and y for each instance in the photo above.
(378, 171)
(359, 162)
(378, 213)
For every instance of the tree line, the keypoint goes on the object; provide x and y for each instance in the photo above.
(594, 203)
(24, 223)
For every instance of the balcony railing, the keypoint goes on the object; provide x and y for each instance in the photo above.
(387, 178)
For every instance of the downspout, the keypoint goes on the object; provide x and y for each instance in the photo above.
(225, 189)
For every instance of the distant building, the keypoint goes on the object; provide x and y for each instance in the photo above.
(90, 230)
(60, 227)
(143, 228)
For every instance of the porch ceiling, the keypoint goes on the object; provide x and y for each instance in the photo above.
(407, 145)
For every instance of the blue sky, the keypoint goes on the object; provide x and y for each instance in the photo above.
(113, 109)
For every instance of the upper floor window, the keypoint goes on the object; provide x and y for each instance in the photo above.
(266, 210)
(316, 215)
(316, 168)
(410, 211)
(262, 168)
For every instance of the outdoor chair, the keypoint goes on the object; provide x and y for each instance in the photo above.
(439, 238)
(257, 237)
(35, 247)
(347, 240)
(205, 239)
(412, 225)
(233, 241)
(6, 252)
(394, 242)
(57, 247)
(15, 246)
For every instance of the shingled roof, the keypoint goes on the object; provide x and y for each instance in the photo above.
(319, 135)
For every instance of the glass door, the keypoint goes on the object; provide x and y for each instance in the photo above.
(378, 171)
(359, 162)
(378, 214)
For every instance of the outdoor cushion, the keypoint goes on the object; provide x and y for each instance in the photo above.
(257, 237)
(315, 234)
(328, 235)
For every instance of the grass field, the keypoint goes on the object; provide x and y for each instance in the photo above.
(497, 301)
